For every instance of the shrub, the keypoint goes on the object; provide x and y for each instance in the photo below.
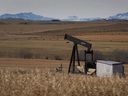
(58, 58)
(26, 54)
(120, 55)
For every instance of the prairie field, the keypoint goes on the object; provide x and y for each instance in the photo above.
(36, 40)
(41, 40)
(30, 52)
(37, 83)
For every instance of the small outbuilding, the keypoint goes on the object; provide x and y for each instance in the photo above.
(109, 68)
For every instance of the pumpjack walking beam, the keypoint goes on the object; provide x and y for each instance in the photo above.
(78, 41)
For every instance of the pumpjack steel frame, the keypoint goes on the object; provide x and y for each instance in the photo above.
(75, 54)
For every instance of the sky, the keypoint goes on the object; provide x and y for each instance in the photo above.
(64, 8)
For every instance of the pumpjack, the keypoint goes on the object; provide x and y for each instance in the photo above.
(88, 55)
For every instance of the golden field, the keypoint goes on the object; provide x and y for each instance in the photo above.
(37, 83)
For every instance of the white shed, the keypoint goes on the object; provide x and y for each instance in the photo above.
(109, 68)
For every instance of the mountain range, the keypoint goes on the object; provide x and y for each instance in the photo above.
(120, 16)
(32, 16)
(25, 16)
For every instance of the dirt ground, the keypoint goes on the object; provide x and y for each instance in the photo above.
(33, 63)
(111, 38)
(46, 65)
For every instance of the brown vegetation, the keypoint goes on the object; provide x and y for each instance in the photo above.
(110, 38)
(44, 40)
(20, 82)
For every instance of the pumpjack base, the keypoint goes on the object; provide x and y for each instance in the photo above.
(76, 68)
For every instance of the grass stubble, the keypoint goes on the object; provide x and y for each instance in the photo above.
(35, 82)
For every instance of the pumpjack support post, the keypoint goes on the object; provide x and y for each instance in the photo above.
(74, 57)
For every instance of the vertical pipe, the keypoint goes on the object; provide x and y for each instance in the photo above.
(74, 58)
(92, 56)
(85, 66)
(77, 55)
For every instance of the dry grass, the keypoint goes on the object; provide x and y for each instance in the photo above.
(37, 83)
(13, 27)
(27, 64)
(45, 39)
(38, 30)
(51, 49)
(111, 38)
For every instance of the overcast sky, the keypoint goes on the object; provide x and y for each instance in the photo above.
(65, 8)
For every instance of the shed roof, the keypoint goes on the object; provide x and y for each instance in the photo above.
(109, 62)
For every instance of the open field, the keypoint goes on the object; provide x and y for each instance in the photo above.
(25, 39)
(28, 64)
(44, 40)
(56, 30)
(42, 64)
(38, 83)
(30, 52)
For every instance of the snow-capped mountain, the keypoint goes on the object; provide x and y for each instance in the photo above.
(25, 16)
(90, 19)
(75, 18)
(121, 16)
(72, 18)
(32, 16)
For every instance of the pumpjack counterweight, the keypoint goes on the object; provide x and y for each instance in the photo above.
(75, 54)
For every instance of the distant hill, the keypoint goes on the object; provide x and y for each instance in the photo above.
(25, 16)
(72, 18)
(75, 18)
(121, 16)
(32, 16)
